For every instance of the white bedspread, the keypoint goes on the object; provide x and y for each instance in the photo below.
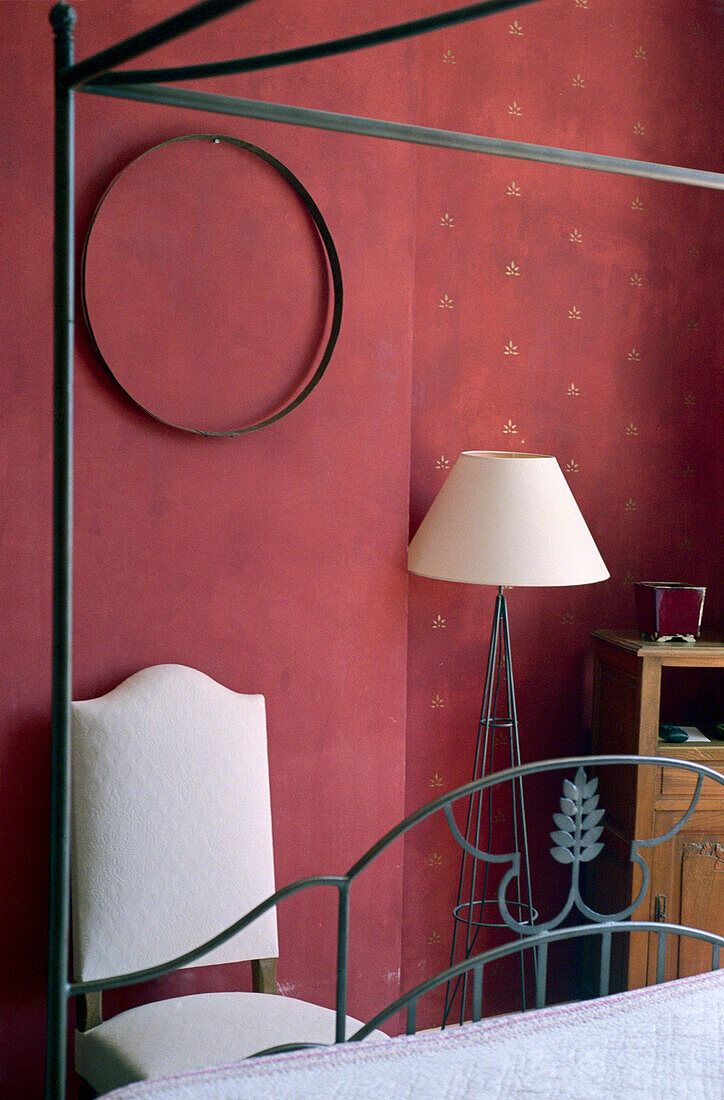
(665, 1042)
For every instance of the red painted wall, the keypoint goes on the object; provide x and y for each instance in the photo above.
(568, 313)
(275, 561)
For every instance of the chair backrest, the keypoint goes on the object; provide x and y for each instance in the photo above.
(171, 823)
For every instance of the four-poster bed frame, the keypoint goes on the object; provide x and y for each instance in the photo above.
(99, 75)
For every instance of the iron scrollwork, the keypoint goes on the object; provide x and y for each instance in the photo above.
(577, 840)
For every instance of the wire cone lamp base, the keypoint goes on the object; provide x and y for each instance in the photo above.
(494, 824)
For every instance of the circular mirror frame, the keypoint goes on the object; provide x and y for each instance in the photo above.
(332, 260)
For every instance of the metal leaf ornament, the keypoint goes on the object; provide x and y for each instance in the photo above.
(578, 825)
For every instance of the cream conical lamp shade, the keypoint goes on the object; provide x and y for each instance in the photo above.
(506, 519)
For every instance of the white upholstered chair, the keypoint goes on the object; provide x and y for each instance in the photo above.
(171, 843)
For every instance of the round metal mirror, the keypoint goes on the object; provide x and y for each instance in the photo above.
(211, 285)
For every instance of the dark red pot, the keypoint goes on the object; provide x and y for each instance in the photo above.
(666, 610)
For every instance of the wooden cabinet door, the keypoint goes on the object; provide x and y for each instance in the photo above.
(687, 887)
(702, 901)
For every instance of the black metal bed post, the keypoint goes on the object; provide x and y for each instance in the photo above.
(62, 19)
(340, 1033)
(469, 914)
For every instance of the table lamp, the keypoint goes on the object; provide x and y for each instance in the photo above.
(509, 520)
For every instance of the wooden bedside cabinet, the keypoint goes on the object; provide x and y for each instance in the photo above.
(637, 686)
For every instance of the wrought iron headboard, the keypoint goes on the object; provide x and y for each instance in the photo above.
(576, 840)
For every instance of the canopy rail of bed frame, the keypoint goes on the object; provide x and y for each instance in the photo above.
(400, 131)
(93, 76)
(204, 12)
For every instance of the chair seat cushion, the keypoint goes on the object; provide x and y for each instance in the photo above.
(189, 1033)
